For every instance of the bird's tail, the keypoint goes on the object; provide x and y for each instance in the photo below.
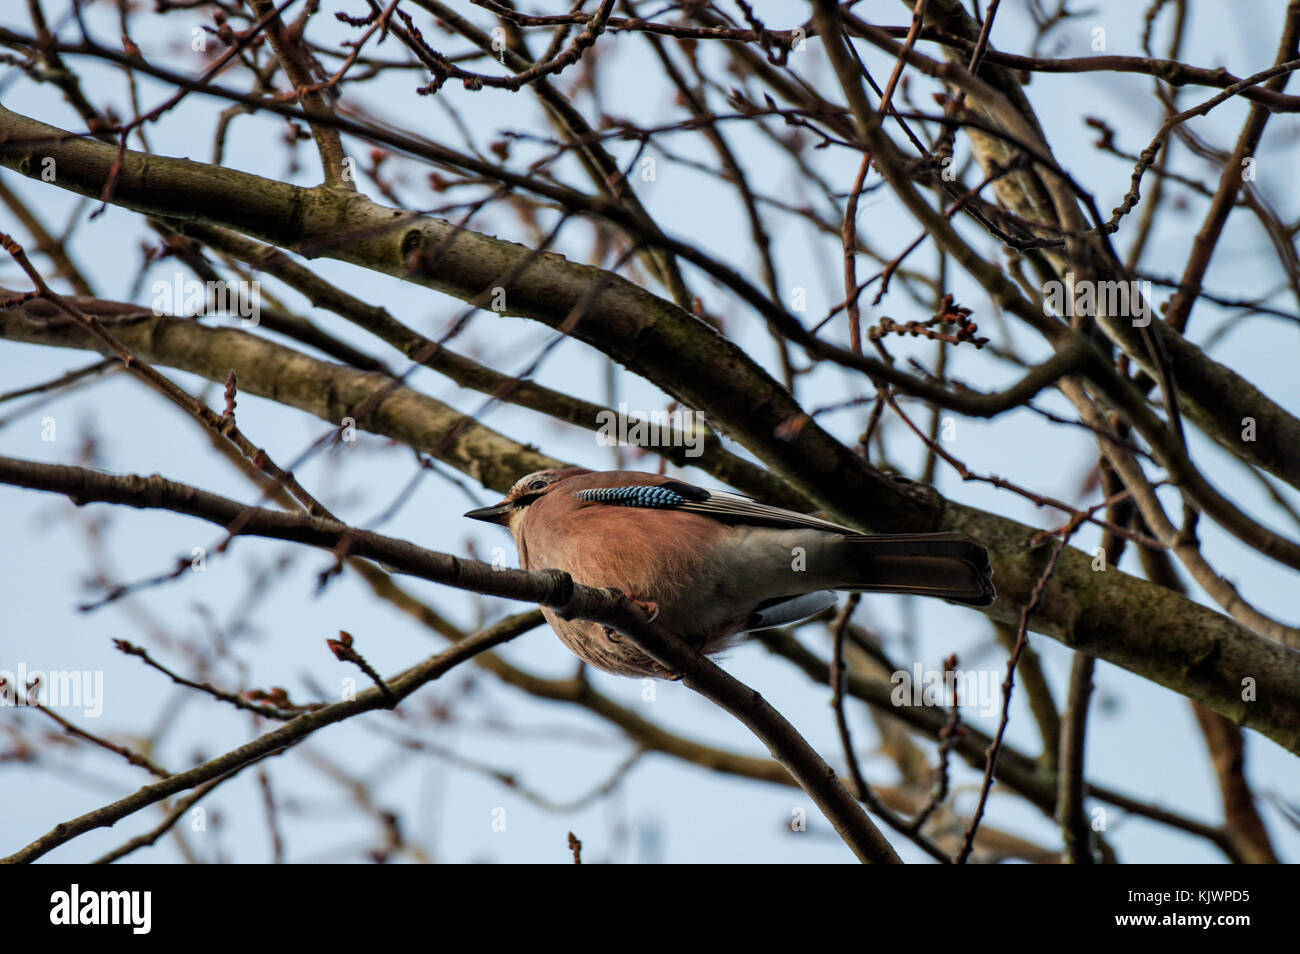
(951, 566)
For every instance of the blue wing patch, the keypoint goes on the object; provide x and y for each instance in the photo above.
(643, 496)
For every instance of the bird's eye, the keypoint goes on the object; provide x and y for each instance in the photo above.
(537, 484)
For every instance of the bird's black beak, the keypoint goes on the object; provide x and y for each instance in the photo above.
(500, 513)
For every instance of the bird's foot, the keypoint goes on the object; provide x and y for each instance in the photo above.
(649, 607)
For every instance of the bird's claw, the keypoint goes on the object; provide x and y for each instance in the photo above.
(649, 607)
(663, 672)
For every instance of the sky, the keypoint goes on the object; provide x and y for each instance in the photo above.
(259, 602)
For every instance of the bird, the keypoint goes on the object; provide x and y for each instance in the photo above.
(709, 565)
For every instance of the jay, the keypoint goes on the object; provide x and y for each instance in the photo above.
(712, 566)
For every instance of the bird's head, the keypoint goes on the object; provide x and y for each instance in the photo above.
(525, 491)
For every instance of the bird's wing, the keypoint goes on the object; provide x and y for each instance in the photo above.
(733, 508)
(729, 508)
(950, 565)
